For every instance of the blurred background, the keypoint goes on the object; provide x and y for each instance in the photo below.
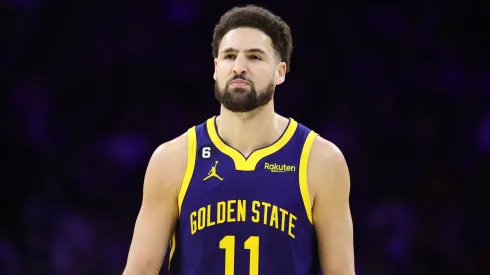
(90, 88)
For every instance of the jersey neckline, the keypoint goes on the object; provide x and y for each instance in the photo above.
(243, 163)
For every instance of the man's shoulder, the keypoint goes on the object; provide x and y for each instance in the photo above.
(325, 151)
(171, 157)
(174, 146)
(326, 165)
(177, 147)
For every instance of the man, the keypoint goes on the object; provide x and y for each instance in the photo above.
(249, 191)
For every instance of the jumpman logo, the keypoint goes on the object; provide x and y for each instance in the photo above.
(213, 173)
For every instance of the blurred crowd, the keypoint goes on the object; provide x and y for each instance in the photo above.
(91, 88)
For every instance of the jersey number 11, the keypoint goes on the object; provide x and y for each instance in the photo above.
(252, 244)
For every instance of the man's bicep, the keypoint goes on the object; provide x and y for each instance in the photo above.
(331, 211)
(157, 216)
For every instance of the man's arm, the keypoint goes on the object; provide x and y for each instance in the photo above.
(329, 178)
(159, 209)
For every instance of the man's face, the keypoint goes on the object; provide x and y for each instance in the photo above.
(246, 70)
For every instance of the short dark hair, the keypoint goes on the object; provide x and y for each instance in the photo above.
(260, 18)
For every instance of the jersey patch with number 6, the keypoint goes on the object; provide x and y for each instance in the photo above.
(205, 152)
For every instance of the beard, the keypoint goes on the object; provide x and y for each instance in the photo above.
(243, 99)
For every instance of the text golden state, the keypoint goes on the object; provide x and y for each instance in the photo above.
(233, 211)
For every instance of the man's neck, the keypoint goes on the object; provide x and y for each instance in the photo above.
(250, 131)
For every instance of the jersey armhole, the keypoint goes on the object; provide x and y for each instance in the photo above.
(191, 162)
(303, 173)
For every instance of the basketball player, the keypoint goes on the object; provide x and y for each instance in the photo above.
(249, 191)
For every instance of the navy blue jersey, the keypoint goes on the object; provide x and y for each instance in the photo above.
(245, 216)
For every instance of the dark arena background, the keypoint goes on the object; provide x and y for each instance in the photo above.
(90, 88)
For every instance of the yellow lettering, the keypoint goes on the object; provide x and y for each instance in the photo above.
(266, 209)
(221, 215)
(291, 225)
(201, 218)
(283, 218)
(274, 167)
(274, 217)
(256, 217)
(193, 222)
(230, 209)
(208, 214)
(236, 211)
(241, 213)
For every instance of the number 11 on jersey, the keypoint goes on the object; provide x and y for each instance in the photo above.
(252, 244)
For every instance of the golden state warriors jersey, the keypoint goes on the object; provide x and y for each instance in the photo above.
(245, 216)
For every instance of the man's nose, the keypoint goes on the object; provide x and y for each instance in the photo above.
(240, 66)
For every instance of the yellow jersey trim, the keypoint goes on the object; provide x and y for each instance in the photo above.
(189, 171)
(248, 164)
(191, 163)
(303, 173)
(172, 250)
